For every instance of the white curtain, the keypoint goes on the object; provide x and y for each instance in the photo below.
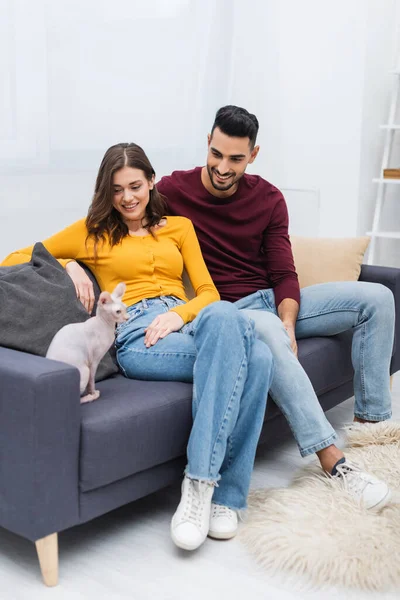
(77, 76)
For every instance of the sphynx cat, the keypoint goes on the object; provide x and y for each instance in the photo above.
(83, 345)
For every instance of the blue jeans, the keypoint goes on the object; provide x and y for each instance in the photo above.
(327, 309)
(231, 373)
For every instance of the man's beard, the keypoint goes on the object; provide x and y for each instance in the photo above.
(221, 187)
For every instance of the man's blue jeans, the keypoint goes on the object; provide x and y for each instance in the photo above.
(327, 309)
(231, 372)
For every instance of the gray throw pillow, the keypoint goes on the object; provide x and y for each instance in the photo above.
(36, 300)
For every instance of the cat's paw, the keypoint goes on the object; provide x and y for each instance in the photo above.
(90, 397)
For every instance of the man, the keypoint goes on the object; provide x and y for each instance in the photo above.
(242, 224)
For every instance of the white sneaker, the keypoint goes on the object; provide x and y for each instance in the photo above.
(365, 488)
(223, 522)
(190, 523)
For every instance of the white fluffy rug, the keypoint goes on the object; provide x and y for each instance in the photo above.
(314, 529)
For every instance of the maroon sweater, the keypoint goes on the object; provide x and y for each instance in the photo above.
(244, 238)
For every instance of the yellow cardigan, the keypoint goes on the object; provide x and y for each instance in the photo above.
(149, 267)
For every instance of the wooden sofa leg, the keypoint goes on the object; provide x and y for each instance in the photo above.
(47, 549)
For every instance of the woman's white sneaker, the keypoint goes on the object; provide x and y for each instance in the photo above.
(370, 491)
(190, 523)
(223, 522)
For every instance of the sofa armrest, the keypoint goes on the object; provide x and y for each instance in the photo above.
(390, 277)
(39, 444)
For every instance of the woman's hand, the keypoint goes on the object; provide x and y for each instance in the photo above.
(162, 326)
(82, 283)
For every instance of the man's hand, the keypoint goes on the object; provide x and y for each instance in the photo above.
(162, 326)
(82, 283)
(292, 335)
(288, 310)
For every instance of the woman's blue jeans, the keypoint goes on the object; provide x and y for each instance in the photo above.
(231, 373)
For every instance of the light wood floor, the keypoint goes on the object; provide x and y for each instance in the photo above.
(128, 553)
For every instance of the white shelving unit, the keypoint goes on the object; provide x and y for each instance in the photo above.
(390, 129)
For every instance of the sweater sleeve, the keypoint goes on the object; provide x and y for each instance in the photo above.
(278, 255)
(200, 278)
(65, 246)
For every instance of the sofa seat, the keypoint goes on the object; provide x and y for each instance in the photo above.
(136, 425)
(327, 360)
(133, 426)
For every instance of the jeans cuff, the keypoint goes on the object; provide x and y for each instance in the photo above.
(213, 480)
(318, 447)
(373, 418)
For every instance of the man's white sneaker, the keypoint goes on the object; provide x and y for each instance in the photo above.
(365, 488)
(223, 522)
(190, 523)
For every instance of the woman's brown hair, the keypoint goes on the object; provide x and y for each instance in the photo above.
(103, 219)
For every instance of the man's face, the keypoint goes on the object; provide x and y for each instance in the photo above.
(227, 159)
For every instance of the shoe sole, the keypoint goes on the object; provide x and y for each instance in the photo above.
(219, 535)
(382, 503)
(184, 546)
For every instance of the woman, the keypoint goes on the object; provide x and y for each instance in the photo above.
(126, 237)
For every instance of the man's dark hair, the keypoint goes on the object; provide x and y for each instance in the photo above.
(236, 122)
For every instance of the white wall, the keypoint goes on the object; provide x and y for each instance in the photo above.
(79, 76)
(381, 51)
(320, 94)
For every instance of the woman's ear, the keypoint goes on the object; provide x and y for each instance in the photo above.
(152, 182)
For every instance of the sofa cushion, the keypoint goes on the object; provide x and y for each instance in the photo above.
(133, 426)
(327, 360)
(36, 300)
(320, 260)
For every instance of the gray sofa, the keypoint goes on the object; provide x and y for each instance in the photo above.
(63, 464)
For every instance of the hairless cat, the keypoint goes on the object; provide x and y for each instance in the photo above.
(83, 345)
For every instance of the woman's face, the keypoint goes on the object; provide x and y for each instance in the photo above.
(131, 193)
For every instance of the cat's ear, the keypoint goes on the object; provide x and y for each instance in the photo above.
(119, 291)
(105, 298)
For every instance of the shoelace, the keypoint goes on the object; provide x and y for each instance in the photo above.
(354, 479)
(194, 507)
(218, 510)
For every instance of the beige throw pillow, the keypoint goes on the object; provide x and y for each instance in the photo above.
(320, 260)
